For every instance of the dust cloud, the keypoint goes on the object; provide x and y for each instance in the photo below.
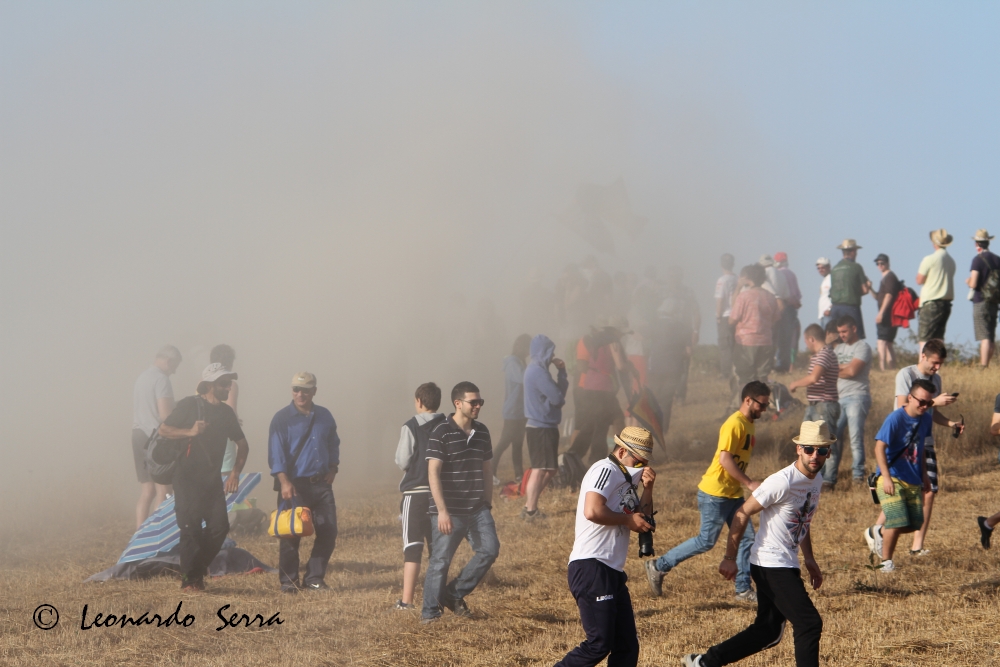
(360, 192)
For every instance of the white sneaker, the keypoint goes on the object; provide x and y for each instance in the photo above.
(691, 660)
(496, 481)
(873, 536)
(887, 566)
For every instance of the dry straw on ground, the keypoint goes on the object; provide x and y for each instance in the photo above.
(938, 609)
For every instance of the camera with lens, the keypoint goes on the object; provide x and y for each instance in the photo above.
(646, 539)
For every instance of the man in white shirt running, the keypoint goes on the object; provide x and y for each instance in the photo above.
(787, 500)
(608, 508)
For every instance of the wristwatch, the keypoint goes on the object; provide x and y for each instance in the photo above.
(729, 557)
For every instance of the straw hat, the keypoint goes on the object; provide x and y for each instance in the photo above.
(941, 237)
(637, 440)
(814, 433)
(982, 235)
(849, 244)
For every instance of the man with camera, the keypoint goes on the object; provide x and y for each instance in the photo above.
(207, 423)
(608, 508)
(304, 454)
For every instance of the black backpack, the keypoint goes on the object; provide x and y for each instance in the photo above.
(164, 454)
(991, 287)
(571, 472)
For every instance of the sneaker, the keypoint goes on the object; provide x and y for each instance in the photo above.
(496, 481)
(532, 516)
(317, 586)
(919, 552)
(290, 590)
(985, 532)
(460, 608)
(887, 566)
(654, 577)
(692, 660)
(873, 536)
(749, 595)
(402, 606)
(429, 619)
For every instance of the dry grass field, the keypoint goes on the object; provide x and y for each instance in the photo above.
(941, 609)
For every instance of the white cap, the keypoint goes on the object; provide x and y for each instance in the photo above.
(213, 372)
(822, 261)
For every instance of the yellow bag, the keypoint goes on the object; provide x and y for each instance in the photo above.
(294, 522)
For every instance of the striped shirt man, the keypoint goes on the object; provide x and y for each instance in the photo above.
(825, 389)
(462, 457)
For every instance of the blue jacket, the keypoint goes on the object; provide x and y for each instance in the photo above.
(513, 383)
(319, 454)
(543, 397)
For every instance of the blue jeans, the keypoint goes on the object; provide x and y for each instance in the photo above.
(853, 413)
(839, 310)
(828, 411)
(715, 511)
(481, 533)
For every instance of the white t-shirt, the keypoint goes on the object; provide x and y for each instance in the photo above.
(149, 388)
(725, 287)
(608, 544)
(825, 302)
(790, 500)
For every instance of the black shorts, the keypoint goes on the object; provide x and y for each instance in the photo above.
(139, 439)
(543, 448)
(416, 525)
(886, 332)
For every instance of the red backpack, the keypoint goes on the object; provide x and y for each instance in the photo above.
(905, 308)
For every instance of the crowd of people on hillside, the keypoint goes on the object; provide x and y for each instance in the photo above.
(624, 336)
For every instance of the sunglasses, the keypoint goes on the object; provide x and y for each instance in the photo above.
(636, 462)
(809, 449)
(763, 406)
(476, 402)
(922, 403)
(301, 390)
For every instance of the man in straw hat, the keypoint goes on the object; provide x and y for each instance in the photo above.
(720, 493)
(936, 276)
(304, 455)
(848, 283)
(608, 508)
(787, 502)
(207, 423)
(984, 304)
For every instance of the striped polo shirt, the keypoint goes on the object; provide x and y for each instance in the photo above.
(825, 389)
(462, 458)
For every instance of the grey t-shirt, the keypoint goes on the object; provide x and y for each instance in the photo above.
(151, 386)
(857, 385)
(904, 383)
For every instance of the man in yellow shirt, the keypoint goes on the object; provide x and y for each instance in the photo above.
(720, 494)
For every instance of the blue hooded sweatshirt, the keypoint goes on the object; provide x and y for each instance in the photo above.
(543, 397)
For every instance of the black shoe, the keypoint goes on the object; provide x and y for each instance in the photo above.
(317, 586)
(461, 609)
(290, 590)
(985, 532)
(197, 584)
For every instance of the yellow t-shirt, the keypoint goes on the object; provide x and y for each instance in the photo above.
(736, 437)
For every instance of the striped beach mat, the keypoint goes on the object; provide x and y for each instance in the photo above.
(159, 533)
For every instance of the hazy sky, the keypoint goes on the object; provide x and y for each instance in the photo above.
(324, 186)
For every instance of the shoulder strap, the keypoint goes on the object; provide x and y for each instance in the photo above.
(302, 441)
(623, 469)
(909, 441)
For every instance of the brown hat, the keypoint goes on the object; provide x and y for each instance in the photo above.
(305, 380)
(637, 440)
(982, 235)
(814, 433)
(849, 244)
(941, 238)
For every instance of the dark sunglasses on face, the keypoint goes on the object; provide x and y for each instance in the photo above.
(476, 402)
(763, 406)
(922, 403)
(809, 449)
(301, 390)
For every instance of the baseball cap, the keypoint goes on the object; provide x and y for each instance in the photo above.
(215, 371)
(882, 257)
(822, 261)
(780, 257)
(305, 380)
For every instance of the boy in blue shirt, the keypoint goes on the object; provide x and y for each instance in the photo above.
(899, 449)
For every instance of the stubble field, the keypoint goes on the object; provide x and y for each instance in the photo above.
(937, 609)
